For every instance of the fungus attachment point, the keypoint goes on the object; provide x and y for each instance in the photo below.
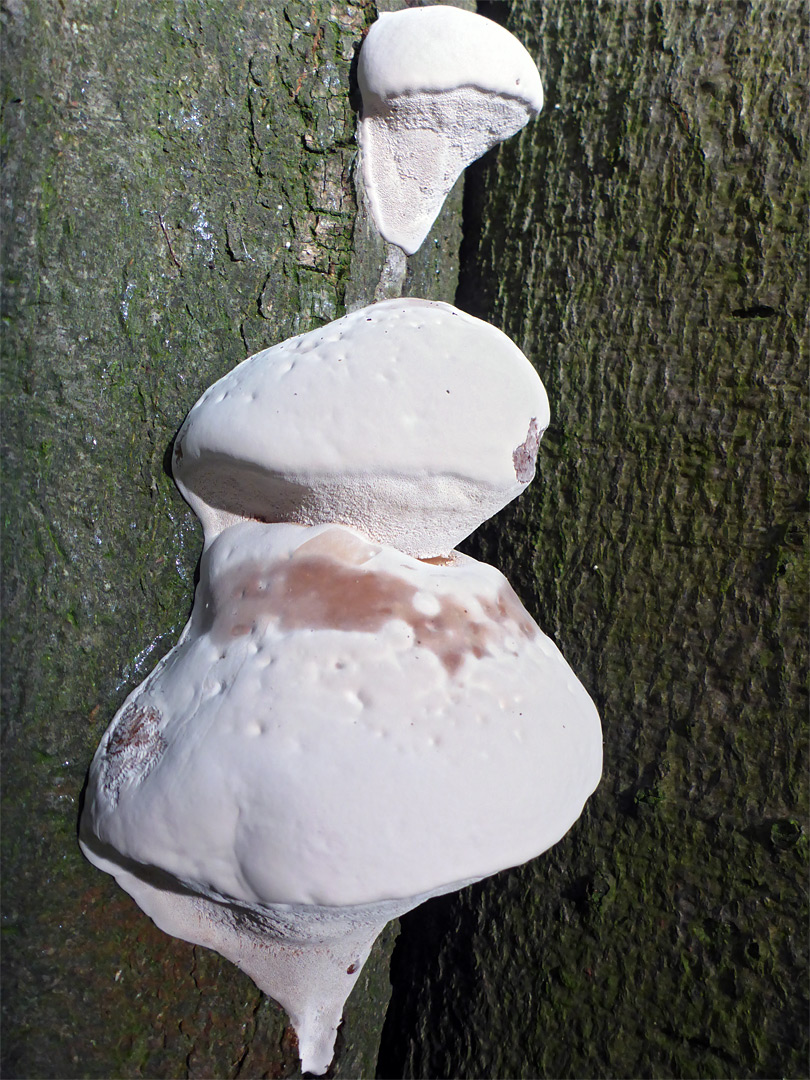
(440, 87)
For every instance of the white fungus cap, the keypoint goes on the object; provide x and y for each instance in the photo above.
(340, 725)
(408, 420)
(341, 732)
(440, 87)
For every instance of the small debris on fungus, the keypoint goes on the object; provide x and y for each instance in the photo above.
(525, 455)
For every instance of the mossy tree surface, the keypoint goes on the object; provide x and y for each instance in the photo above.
(645, 242)
(178, 193)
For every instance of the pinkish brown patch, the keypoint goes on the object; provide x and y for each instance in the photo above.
(133, 749)
(508, 609)
(321, 592)
(525, 455)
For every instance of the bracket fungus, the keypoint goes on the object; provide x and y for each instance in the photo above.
(440, 87)
(344, 729)
(402, 419)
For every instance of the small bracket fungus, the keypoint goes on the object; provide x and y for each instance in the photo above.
(440, 87)
(344, 730)
(402, 419)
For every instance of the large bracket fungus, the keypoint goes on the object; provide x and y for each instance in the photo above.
(440, 87)
(356, 717)
(402, 419)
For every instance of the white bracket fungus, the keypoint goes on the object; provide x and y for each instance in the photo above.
(344, 730)
(408, 419)
(440, 87)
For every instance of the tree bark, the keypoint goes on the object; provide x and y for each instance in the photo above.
(178, 193)
(645, 242)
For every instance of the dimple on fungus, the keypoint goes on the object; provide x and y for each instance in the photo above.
(440, 87)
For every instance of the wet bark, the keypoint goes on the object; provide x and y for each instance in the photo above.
(645, 242)
(178, 192)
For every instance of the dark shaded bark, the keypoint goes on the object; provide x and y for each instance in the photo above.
(178, 192)
(645, 242)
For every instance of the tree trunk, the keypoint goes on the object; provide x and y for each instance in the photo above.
(645, 242)
(642, 242)
(178, 193)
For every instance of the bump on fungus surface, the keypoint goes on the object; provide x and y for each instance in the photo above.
(316, 652)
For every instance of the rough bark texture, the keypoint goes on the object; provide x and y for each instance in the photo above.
(178, 193)
(645, 243)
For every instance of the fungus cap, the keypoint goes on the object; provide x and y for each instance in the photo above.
(443, 732)
(443, 48)
(408, 420)
(440, 87)
(341, 732)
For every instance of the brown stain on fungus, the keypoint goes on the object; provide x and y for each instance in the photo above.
(317, 591)
(133, 748)
(509, 608)
(525, 455)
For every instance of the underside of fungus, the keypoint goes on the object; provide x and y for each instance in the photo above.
(306, 958)
(356, 716)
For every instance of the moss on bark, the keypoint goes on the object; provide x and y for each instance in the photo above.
(644, 243)
(178, 193)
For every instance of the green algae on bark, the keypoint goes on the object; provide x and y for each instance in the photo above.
(644, 244)
(178, 193)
